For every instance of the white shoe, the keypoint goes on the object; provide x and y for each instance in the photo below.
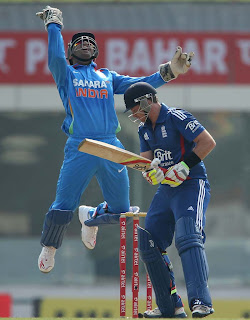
(46, 260)
(156, 313)
(200, 310)
(88, 233)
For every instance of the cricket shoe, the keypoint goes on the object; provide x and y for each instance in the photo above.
(156, 313)
(88, 233)
(46, 260)
(199, 310)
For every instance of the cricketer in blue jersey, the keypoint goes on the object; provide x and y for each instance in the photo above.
(175, 140)
(87, 94)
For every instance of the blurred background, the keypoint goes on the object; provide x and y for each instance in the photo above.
(134, 37)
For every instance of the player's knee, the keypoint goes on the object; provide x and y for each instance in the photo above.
(146, 245)
(106, 207)
(187, 235)
(54, 228)
(163, 236)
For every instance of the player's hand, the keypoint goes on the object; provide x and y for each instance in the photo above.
(179, 64)
(176, 174)
(154, 175)
(51, 15)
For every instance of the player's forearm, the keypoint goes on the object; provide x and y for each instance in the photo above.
(154, 79)
(147, 154)
(204, 145)
(122, 83)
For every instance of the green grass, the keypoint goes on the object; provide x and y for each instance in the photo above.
(49, 308)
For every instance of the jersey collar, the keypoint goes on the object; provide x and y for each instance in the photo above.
(161, 118)
(77, 65)
(162, 114)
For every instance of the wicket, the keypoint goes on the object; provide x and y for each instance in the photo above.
(135, 274)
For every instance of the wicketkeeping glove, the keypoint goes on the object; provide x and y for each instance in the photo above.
(51, 15)
(176, 174)
(179, 64)
(154, 175)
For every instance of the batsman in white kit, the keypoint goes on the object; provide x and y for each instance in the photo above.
(87, 94)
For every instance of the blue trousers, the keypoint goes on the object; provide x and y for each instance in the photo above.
(190, 199)
(79, 168)
(175, 206)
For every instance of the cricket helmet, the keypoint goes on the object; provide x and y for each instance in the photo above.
(82, 36)
(137, 93)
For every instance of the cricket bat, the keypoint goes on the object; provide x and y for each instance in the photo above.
(114, 154)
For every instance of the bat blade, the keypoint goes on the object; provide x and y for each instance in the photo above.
(114, 154)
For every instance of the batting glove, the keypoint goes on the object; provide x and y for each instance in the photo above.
(179, 64)
(50, 15)
(176, 174)
(154, 175)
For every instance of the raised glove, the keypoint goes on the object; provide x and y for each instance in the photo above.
(176, 174)
(154, 175)
(179, 64)
(51, 15)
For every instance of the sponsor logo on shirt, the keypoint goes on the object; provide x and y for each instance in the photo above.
(165, 156)
(90, 84)
(85, 88)
(193, 125)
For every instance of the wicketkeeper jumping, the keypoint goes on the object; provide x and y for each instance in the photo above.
(87, 94)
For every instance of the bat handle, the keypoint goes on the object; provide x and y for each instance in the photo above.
(164, 170)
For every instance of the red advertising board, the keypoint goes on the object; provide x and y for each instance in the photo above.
(5, 305)
(220, 58)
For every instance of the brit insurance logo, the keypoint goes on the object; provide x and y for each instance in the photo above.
(165, 156)
(193, 125)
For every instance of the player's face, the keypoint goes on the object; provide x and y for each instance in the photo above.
(138, 114)
(83, 48)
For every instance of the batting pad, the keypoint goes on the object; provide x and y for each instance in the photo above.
(158, 272)
(189, 243)
(54, 227)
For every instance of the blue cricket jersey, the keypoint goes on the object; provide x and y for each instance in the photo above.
(172, 138)
(87, 93)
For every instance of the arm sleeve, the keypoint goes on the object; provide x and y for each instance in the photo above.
(144, 146)
(56, 54)
(186, 123)
(121, 83)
